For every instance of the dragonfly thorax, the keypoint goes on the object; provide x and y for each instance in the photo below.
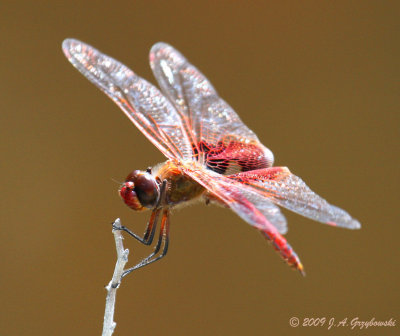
(140, 191)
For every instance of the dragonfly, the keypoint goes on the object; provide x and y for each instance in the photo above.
(212, 156)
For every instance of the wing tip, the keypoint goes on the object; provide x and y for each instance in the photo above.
(66, 45)
(71, 46)
(68, 42)
(353, 224)
(158, 47)
(164, 50)
(160, 44)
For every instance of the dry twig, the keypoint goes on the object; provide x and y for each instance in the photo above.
(122, 259)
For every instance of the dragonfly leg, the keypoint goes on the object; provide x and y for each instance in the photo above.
(163, 239)
(149, 232)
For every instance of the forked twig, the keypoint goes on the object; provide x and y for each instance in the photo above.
(122, 259)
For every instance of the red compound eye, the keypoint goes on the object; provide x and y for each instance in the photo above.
(147, 190)
(140, 190)
(129, 196)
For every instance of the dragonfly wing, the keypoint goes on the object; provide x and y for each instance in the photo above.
(251, 206)
(289, 191)
(213, 126)
(143, 103)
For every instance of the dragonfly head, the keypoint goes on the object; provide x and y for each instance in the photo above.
(140, 191)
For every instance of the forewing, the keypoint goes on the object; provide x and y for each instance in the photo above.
(209, 120)
(289, 191)
(251, 206)
(143, 103)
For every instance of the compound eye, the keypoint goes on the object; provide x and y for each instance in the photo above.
(133, 176)
(129, 196)
(147, 190)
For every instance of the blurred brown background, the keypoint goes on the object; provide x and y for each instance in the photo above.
(315, 80)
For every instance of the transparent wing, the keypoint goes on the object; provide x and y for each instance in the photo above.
(143, 103)
(251, 206)
(289, 191)
(208, 119)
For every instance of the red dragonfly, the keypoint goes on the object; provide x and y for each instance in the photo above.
(211, 155)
